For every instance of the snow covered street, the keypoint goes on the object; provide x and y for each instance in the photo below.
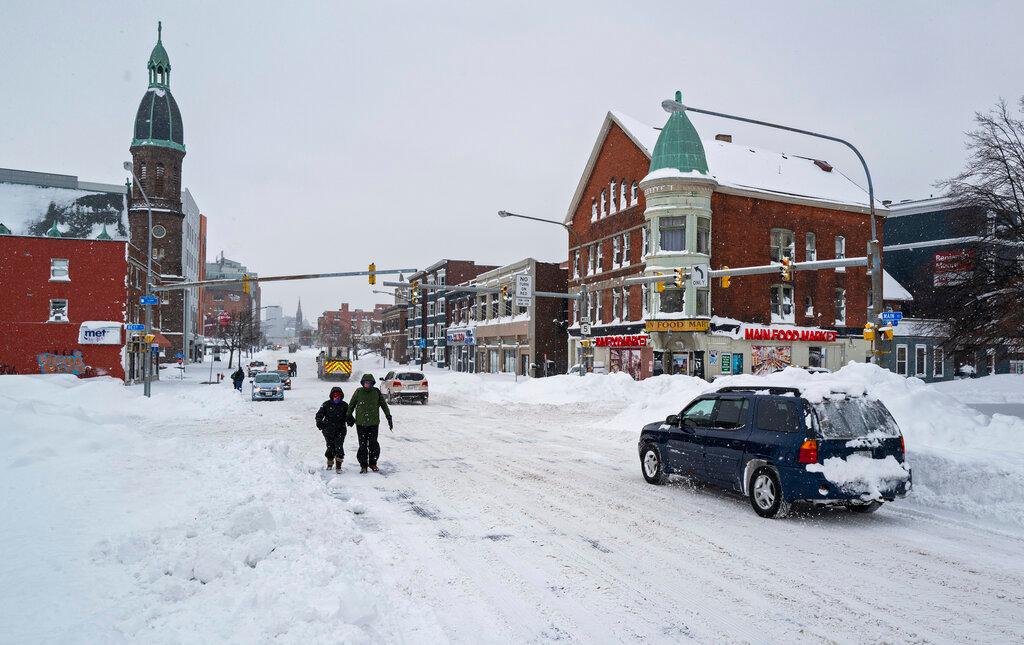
(200, 516)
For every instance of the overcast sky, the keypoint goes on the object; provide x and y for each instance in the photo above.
(322, 136)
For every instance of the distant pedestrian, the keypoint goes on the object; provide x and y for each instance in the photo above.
(330, 420)
(293, 369)
(237, 378)
(363, 413)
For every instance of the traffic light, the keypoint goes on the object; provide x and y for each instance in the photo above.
(659, 286)
(787, 270)
(414, 288)
(246, 289)
(504, 292)
(680, 277)
(887, 332)
(725, 278)
(373, 273)
(869, 332)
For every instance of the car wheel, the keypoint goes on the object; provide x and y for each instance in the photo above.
(651, 466)
(423, 400)
(766, 494)
(870, 507)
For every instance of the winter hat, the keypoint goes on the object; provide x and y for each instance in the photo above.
(367, 378)
(336, 390)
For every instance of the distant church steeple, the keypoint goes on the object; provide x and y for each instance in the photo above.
(298, 318)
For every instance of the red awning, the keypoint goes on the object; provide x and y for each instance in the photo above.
(161, 340)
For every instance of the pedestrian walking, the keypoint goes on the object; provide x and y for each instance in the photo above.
(237, 378)
(293, 368)
(330, 420)
(363, 412)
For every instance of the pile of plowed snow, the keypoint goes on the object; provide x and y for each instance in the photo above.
(961, 459)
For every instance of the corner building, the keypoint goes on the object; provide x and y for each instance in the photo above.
(724, 204)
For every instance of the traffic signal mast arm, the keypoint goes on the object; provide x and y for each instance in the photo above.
(448, 287)
(279, 278)
(814, 265)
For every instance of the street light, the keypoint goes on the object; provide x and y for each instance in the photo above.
(876, 246)
(148, 364)
(584, 301)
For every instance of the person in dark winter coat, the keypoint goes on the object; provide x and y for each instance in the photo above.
(293, 369)
(330, 419)
(237, 377)
(363, 413)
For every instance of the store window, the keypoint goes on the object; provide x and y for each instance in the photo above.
(673, 233)
(920, 360)
(59, 310)
(782, 303)
(811, 248)
(510, 361)
(703, 304)
(782, 244)
(704, 235)
(816, 357)
(59, 270)
(901, 359)
(840, 306)
(938, 359)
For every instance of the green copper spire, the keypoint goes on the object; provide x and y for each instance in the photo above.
(679, 146)
(103, 234)
(4, 230)
(159, 63)
(53, 232)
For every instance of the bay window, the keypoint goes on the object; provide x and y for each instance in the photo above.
(704, 235)
(703, 302)
(673, 233)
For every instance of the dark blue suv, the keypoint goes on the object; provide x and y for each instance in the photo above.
(777, 447)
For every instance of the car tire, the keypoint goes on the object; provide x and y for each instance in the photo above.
(651, 465)
(423, 400)
(765, 492)
(865, 509)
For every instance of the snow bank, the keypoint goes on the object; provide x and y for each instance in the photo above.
(961, 459)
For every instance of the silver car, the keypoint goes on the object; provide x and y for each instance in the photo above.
(405, 385)
(268, 386)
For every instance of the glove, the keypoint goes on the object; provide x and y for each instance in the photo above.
(351, 423)
(391, 425)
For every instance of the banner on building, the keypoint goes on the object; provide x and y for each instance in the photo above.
(100, 332)
(765, 359)
(458, 336)
(953, 267)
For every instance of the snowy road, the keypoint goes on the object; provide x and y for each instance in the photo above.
(489, 523)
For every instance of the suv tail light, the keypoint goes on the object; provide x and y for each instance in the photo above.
(903, 446)
(424, 384)
(396, 384)
(808, 452)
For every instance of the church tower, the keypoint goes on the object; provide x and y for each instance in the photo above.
(158, 147)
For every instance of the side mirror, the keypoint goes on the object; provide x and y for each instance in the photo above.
(672, 420)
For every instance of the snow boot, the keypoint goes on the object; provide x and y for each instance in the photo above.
(337, 465)
(362, 470)
(374, 468)
(330, 463)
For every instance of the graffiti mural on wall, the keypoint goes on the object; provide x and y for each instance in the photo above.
(54, 363)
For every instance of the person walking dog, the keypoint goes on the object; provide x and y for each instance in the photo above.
(363, 412)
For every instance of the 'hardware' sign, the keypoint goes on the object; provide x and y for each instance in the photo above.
(621, 341)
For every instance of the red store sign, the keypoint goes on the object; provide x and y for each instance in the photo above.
(789, 333)
(621, 341)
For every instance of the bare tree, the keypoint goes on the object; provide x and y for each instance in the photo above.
(239, 334)
(985, 309)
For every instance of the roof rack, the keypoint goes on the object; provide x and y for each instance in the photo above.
(773, 390)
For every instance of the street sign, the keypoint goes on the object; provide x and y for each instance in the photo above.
(524, 285)
(423, 343)
(148, 300)
(891, 317)
(585, 328)
(699, 275)
(179, 355)
(155, 346)
(135, 327)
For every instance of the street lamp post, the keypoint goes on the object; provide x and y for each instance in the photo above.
(148, 364)
(584, 301)
(875, 250)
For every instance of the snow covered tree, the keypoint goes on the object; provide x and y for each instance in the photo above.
(984, 309)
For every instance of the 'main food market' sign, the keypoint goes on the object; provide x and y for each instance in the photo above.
(790, 333)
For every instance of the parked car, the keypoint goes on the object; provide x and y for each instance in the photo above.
(401, 386)
(284, 368)
(777, 448)
(268, 386)
(255, 367)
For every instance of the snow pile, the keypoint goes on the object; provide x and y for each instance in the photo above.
(862, 474)
(162, 534)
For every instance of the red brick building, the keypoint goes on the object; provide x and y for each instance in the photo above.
(66, 302)
(654, 199)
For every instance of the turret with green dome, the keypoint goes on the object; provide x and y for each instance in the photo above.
(679, 146)
(158, 120)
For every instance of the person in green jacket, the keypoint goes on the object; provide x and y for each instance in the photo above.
(363, 413)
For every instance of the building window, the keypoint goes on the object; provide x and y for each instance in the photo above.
(816, 357)
(782, 244)
(645, 300)
(616, 306)
(840, 306)
(612, 193)
(703, 304)
(576, 264)
(704, 235)
(938, 358)
(593, 209)
(840, 247)
(625, 303)
(920, 360)
(430, 308)
(591, 260)
(622, 195)
(633, 195)
(625, 248)
(598, 306)
(600, 257)
(901, 359)
(604, 203)
(810, 248)
(59, 310)
(645, 240)
(494, 305)
(59, 270)
(672, 301)
(441, 278)
(782, 303)
(673, 233)
(808, 307)
(616, 252)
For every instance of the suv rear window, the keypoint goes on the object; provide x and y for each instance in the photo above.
(268, 378)
(854, 417)
(777, 415)
(409, 376)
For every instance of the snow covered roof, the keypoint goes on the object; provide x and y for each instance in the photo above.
(746, 170)
(32, 209)
(893, 290)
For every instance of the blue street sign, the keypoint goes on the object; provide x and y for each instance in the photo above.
(135, 327)
(148, 300)
(179, 355)
(423, 343)
(893, 317)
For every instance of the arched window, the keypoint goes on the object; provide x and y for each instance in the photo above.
(604, 203)
(622, 195)
(611, 196)
(632, 195)
(593, 209)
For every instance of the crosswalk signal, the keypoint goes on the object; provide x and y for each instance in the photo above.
(680, 276)
(869, 332)
(373, 273)
(787, 270)
(725, 279)
(246, 289)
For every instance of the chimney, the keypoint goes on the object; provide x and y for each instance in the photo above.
(726, 138)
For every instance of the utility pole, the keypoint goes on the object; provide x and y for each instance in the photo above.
(147, 365)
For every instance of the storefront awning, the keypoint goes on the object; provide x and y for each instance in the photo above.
(162, 341)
